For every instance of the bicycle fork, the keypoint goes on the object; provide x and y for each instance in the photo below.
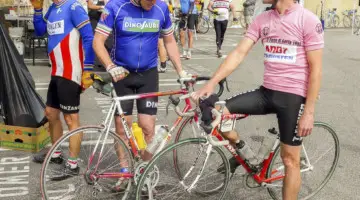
(201, 170)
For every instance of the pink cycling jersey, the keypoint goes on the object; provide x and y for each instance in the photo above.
(286, 39)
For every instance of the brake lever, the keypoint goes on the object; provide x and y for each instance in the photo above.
(227, 85)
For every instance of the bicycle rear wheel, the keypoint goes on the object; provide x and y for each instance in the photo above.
(322, 150)
(88, 184)
(191, 155)
(347, 21)
(203, 26)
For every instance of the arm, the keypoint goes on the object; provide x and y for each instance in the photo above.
(166, 32)
(80, 20)
(315, 64)
(232, 8)
(210, 8)
(102, 32)
(232, 61)
(92, 6)
(100, 49)
(173, 51)
(192, 5)
(39, 21)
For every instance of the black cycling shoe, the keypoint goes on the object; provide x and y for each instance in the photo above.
(65, 172)
(40, 157)
(233, 165)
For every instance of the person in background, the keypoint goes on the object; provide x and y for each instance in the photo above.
(189, 14)
(161, 46)
(72, 59)
(249, 7)
(200, 7)
(95, 8)
(221, 9)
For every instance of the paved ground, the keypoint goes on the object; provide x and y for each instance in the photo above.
(340, 96)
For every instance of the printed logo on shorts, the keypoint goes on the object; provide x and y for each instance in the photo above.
(301, 111)
(280, 53)
(55, 28)
(151, 104)
(141, 25)
(69, 108)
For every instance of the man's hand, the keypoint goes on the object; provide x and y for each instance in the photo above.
(37, 4)
(206, 91)
(117, 73)
(184, 74)
(306, 125)
(86, 80)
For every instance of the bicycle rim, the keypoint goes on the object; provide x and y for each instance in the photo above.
(169, 185)
(204, 26)
(323, 160)
(81, 186)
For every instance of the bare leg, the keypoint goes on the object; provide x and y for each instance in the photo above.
(121, 132)
(292, 181)
(73, 122)
(55, 126)
(147, 123)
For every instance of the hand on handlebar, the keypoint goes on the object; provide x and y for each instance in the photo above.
(205, 91)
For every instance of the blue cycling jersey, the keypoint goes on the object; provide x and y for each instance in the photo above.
(185, 6)
(136, 32)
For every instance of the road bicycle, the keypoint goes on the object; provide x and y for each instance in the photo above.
(189, 169)
(348, 18)
(332, 20)
(103, 153)
(203, 22)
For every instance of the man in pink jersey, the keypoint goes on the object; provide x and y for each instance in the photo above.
(293, 41)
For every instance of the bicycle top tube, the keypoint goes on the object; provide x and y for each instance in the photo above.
(148, 95)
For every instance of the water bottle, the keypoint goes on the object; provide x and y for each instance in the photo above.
(265, 148)
(158, 137)
(246, 153)
(139, 136)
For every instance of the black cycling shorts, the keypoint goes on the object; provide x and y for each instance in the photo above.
(287, 107)
(63, 94)
(138, 83)
(191, 22)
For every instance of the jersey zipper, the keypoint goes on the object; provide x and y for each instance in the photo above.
(142, 33)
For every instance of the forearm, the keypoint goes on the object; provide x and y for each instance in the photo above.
(173, 52)
(313, 91)
(94, 7)
(210, 8)
(87, 37)
(39, 23)
(100, 50)
(232, 61)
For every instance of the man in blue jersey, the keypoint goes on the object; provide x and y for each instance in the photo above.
(189, 15)
(70, 41)
(136, 25)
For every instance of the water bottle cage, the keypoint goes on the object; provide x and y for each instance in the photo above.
(227, 125)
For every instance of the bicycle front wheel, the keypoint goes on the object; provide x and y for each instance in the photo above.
(319, 158)
(199, 178)
(104, 183)
(203, 26)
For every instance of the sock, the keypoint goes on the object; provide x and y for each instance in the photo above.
(56, 154)
(163, 64)
(189, 50)
(72, 162)
(124, 170)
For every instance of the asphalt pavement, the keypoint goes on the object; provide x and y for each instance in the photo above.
(338, 106)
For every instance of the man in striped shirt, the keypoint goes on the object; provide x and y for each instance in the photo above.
(70, 50)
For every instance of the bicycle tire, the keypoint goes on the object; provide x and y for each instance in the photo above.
(336, 21)
(203, 23)
(60, 141)
(347, 21)
(327, 177)
(172, 148)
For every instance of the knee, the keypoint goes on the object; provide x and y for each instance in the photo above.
(148, 128)
(52, 114)
(290, 161)
(71, 119)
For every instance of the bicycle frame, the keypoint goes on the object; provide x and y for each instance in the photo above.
(259, 177)
(116, 106)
